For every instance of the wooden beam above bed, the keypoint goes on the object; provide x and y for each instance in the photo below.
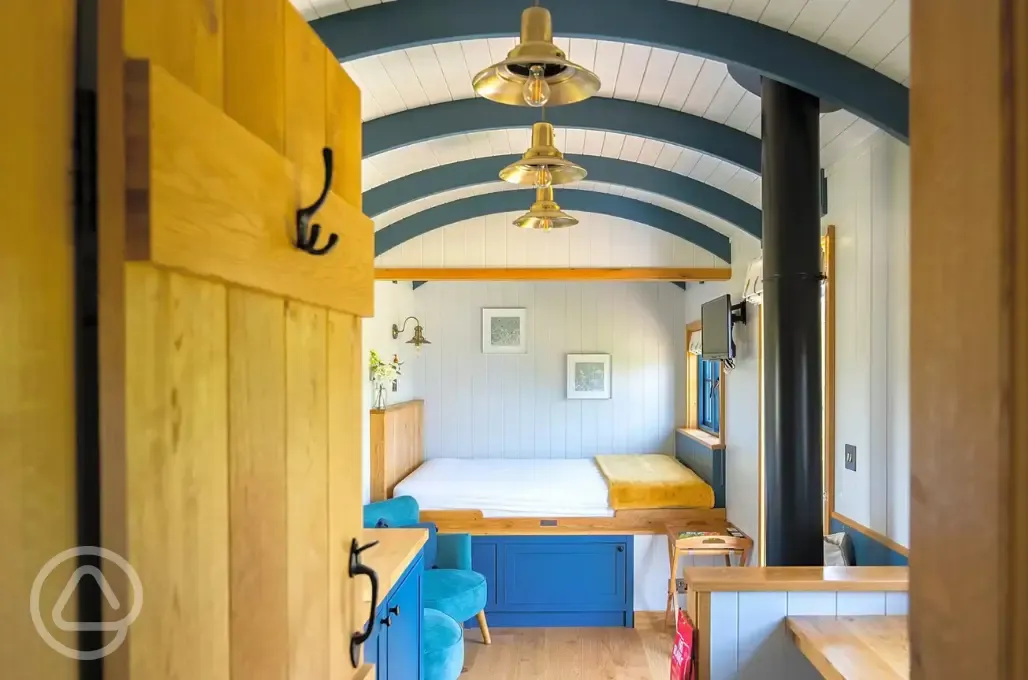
(554, 274)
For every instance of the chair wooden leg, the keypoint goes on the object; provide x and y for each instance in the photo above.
(484, 626)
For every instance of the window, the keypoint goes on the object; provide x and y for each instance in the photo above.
(708, 415)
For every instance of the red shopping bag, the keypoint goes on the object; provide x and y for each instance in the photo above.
(683, 662)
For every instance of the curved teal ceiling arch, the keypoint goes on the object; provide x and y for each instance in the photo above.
(623, 173)
(575, 200)
(659, 23)
(607, 115)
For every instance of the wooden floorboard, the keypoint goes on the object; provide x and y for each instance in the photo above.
(569, 654)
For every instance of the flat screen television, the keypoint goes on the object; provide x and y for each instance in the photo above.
(716, 317)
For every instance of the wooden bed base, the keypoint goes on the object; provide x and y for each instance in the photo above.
(396, 451)
(623, 522)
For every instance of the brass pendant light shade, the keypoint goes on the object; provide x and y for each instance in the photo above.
(543, 165)
(536, 72)
(545, 214)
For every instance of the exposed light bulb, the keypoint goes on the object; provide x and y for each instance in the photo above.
(546, 223)
(543, 178)
(536, 90)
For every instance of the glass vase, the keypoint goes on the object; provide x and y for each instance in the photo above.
(380, 396)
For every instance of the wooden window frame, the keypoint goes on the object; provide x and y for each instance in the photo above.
(692, 427)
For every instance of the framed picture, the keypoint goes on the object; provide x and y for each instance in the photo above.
(504, 331)
(588, 376)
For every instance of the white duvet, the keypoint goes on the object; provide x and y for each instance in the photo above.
(510, 488)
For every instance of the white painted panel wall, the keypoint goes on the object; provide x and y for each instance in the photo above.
(869, 202)
(393, 303)
(514, 406)
(597, 241)
(748, 637)
(742, 392)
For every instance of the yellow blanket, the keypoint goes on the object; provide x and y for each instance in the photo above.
(651, 481)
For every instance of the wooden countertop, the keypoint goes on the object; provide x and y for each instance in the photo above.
(854, 647)
(778, 579)
(395, 551)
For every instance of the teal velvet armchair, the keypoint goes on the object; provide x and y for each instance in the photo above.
(449, 584)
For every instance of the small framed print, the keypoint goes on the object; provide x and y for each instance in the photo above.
(588, 376)
(504, 331)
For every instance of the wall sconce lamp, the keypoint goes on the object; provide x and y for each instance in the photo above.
(418, 339)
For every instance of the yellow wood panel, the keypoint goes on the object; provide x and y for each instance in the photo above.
(343, 130)
(345, 519)
(37, 397)
(305, 104)
(814, 579)
(257, 491)
(177, 475)
(226, 209)
(254, 67)
(184, 37)
(307, 491)
(969, 376)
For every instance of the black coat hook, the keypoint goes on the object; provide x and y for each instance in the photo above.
(307, 234)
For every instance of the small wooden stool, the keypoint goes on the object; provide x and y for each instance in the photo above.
(708, 541)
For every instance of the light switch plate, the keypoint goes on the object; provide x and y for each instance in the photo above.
(851, 457)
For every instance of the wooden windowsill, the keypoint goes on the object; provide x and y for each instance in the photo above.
(787, 579)
(709, 440)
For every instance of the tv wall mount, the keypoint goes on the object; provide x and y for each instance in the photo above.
(739, 313)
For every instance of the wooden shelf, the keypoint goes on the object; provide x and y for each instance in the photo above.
(854, 646)
(783, 579)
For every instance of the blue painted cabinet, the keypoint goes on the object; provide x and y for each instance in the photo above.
(556, 580)
(395, 644)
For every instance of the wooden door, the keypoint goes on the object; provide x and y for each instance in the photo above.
(232, 436)
(969, 334)
(37, 333)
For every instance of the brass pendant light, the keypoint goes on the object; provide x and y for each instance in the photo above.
(536, 72)
(545, 214)
(543, 165)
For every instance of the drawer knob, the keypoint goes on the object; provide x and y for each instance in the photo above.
(387, 621)
(395, 611)
(621, 548)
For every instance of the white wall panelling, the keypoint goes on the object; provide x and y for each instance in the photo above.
(748, 638)
(514, 406)
(870, 208)
(597, 241)
(393, 303)
(742, 388)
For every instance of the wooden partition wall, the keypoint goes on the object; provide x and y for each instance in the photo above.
(396, 445)
(37, 334)
(230, 361)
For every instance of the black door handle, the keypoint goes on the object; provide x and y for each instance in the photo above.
(395, 610)
(356, 568)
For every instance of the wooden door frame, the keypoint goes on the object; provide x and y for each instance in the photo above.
(968, 334)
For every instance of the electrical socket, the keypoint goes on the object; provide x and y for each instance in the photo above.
(851, 457)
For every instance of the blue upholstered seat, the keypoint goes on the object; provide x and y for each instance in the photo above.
(458, 593)
(442, 646)
(449, 585)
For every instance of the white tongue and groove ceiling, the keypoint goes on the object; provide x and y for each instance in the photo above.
(874, 33)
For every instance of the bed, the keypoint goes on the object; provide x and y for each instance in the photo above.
(555, 539)
(612, 495)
